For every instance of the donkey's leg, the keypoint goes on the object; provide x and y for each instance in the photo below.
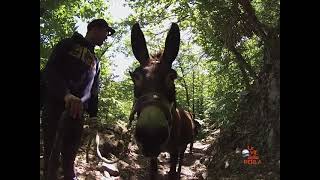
(173, 162)
(153, 164)
(153, 168)
(181, 156)
(191, 146)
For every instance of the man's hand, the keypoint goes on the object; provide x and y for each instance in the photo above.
(74, 104)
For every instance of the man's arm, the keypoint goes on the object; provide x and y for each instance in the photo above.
(93, 101)
(57, 86)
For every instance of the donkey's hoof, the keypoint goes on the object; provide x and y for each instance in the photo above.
(153, 176)
(173, 175)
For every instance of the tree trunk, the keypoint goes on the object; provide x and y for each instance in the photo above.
(273, 58)
(187, 92)
(193, 110)
(242, 62)
(184, 83)
(260, 111)
(258, 27)
(243, 65)
(200, 109)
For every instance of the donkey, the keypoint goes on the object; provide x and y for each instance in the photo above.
(161, 126)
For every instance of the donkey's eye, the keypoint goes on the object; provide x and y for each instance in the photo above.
(137, 78)
(172, 76)
(170, 79)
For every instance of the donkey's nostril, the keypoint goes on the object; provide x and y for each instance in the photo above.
(152, 136)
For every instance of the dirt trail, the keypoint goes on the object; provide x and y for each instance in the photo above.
(135, 166)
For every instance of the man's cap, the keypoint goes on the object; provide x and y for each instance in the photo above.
(101, 23)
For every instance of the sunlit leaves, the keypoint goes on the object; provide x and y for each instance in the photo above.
(59, 20)
(209, 28)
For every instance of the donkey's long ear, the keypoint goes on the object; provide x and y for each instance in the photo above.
(138, 44)
(172, 44)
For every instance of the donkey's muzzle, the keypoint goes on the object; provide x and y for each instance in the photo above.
(152, 131)
(151, 140)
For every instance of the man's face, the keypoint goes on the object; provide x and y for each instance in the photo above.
(100, 34)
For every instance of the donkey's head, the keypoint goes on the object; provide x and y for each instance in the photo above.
(154, 90)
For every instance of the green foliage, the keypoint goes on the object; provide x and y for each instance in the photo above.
(214, 80)
(211, 31)
(115, 100)
(59, 19)
(267, 11)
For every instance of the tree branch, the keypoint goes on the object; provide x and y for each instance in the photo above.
(258, 27)
(242, 62)
(184, 82)
(193, 77)
(182, 18)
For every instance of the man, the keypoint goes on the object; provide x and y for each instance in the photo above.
(72, 82)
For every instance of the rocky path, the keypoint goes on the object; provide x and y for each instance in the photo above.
(134, 166)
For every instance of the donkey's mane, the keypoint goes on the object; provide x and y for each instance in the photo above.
(156, 56)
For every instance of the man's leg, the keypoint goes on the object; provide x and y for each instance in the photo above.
(50, 117)
(70, 146)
